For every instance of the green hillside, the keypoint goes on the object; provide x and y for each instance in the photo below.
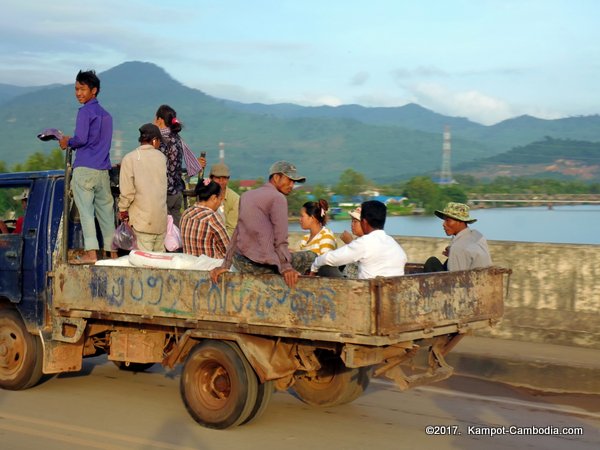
(322, 148)
(549, 158)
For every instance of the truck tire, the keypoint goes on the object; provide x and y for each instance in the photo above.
(265, 392)
(218, 386)
(334, 384)
(21, 353)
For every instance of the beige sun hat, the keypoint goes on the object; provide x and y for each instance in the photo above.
(355, 213)
(456, 211)
(22, 196)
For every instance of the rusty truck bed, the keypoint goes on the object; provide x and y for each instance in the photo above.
(381, 311)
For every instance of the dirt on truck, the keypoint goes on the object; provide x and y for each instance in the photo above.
(238, 340)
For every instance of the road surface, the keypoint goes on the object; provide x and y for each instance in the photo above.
(104, 408)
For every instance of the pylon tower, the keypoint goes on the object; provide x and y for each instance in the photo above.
(446, 173)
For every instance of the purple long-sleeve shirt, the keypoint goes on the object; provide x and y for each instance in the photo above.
(92, 137)
(262, 230)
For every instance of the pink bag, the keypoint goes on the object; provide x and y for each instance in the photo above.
(173, 236)
(124, 238)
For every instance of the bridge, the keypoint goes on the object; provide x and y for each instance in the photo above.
(487, 200)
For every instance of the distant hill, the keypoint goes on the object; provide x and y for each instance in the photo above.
(500, 137)
(385, 144)
(549, 158)
(8, 91)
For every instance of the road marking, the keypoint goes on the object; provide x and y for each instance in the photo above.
(81, 430)
(494, 399)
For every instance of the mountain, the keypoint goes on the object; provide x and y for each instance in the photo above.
(321, 148)
(500, 137)
(548, 158)
(385, 144)
(8, 91)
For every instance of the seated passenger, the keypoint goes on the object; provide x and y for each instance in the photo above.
(355, 227)
(202, 229)
(313, 217)
(468, 249)
(320, 240)
(23, 198)
(377, 254)
(351, 270)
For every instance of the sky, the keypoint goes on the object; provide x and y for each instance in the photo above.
(481, 59)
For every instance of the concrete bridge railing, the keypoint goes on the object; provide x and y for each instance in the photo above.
(554, 294)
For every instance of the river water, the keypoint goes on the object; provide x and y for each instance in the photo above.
(578, 224)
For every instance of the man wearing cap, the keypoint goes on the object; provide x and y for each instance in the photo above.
(22, 197)
(260, 241)
(143, 186)
(230, 206)
(468, 249)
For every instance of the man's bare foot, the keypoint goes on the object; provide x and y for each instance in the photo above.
(88, 257)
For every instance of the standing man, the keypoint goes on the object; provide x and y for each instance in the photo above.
(143, 186)
(377, 254)
(229, 209)
(260, 242)
(468, 249)
(90, 182)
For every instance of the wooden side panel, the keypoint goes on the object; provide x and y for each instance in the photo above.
(320, 304)
(425, 301)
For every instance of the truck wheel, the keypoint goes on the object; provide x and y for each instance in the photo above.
(265, 392)
(218, 386)
(21, 353)
(132, 366)
(334, 384)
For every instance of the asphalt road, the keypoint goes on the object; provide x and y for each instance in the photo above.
(104, 408)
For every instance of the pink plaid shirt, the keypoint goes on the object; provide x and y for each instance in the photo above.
(203, 232)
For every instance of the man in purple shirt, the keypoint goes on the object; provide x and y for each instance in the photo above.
(260, 241)
(90, 182)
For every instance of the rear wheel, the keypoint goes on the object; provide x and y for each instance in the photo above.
(21, 353)
(218, 386)
(265, 392)
(333, 384)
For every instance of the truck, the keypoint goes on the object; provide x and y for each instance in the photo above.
(239, 340)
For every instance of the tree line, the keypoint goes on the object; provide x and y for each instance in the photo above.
(420, 191)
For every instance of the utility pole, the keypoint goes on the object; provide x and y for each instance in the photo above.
(446, 174)
(222, 152)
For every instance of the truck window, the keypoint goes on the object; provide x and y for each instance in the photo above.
(13, 202)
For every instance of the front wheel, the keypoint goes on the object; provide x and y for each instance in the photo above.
(21, 353)
(333, 384)
(218, 387)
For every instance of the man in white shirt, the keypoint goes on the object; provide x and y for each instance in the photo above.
(377, 254)
(468, 249)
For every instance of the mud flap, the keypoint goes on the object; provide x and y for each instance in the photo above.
(60, 356)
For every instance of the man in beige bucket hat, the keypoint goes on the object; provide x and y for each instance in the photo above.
(468, 249)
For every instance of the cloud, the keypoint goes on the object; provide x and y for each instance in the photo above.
(472, 104)
(418, 72)
(359, 79)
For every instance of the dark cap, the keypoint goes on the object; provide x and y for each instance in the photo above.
(50, 134)
(149, 131)
(288, 169)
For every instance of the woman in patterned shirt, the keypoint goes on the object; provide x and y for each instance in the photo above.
(172, 147)
(202, 228)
